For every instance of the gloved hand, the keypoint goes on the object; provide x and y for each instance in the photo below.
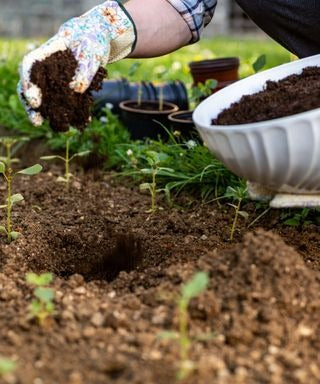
(103, 35)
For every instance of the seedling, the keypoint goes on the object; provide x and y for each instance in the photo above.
(132, 71)
(238, 194)
(68, 136)
(260, 63)
(154, 160)
(203, 90)
(7, 366)
(42, 307)
(9, 174)
(190, 290)
(160, 75)
(11, 145)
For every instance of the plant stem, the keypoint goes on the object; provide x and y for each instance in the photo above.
(183, 331)
(161, 98)
(235, 219)
(139, 93)
(153, 191)
(9, 205)
(67, 175)
(8, 160)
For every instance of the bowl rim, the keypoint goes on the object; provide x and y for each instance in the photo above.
(261, 124)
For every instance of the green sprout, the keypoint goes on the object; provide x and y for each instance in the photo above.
(9, 174)
(160, 75)
(192, 289)
(132, 71)
(260, 63)
(11, 144)
(238, 194)
(42, 307)
(154, 160)
(203, 90)
(7, 366)
(68, 136)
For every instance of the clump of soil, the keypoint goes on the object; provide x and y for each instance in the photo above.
(60, 104)
(289, 96)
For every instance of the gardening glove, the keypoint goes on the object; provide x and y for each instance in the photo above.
(103, 35)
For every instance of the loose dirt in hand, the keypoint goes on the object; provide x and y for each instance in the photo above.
(60, 104)
(289, 96)
(118, 272)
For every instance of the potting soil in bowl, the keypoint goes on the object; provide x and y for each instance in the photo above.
(289, 96)
(60, 104)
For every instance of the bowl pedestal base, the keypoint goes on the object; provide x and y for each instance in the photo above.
(282, 200)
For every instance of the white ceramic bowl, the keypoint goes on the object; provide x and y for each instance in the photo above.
(281, 154)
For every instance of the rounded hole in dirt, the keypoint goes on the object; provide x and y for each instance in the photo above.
(96, 255)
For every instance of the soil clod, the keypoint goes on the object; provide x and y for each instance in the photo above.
(60, 104)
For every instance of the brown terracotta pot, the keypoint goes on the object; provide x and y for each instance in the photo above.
(225, 71)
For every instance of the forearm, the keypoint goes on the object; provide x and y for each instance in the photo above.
(160, 28)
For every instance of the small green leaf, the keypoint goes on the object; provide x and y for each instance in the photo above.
(244, 214)
(3, 206)
(3, 229)
(2, 167)
(168, 335)
(259, 63)
(35, 169)
(16, 198)
(14, 235)
(39, 280)
(53, 157)
(144, 186)
(6, 366)
(44, 294)
(146, 171)
(80, 154)
(195, 286)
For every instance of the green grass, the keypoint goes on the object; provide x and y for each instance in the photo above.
(194, 168)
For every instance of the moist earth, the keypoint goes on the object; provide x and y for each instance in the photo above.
(62, 106)
(289, 96)
(118, 272)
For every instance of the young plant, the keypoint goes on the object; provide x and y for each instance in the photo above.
(160, 75)
(132, 71)
(42, 306)
(202, 90)
(68, 136)
(7, 366)
(11, 144)
(154, 160)
(197, 285)
(238, 194)
(9, 174)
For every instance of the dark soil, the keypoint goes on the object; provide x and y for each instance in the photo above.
(119, 270)
(60, 104)
(289, 96)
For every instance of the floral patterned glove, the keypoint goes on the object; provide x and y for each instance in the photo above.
(103, 35)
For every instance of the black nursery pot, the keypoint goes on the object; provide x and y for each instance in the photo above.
(146, 120)
(116, 91)
(182, 122)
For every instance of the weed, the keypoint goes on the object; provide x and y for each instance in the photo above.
(42, 306)
(202, 90)
(68, 136)
(190, 290)
(302, 217)
(154, 160)
(9, 174)
(11, 144)
(238, 194)
(7, 366)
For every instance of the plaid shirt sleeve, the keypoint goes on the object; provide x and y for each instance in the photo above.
(196, 13)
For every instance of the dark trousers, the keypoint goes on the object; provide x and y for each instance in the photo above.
(295, 24)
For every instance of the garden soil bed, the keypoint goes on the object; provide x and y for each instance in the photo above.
(289, 96)
(262, 304)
